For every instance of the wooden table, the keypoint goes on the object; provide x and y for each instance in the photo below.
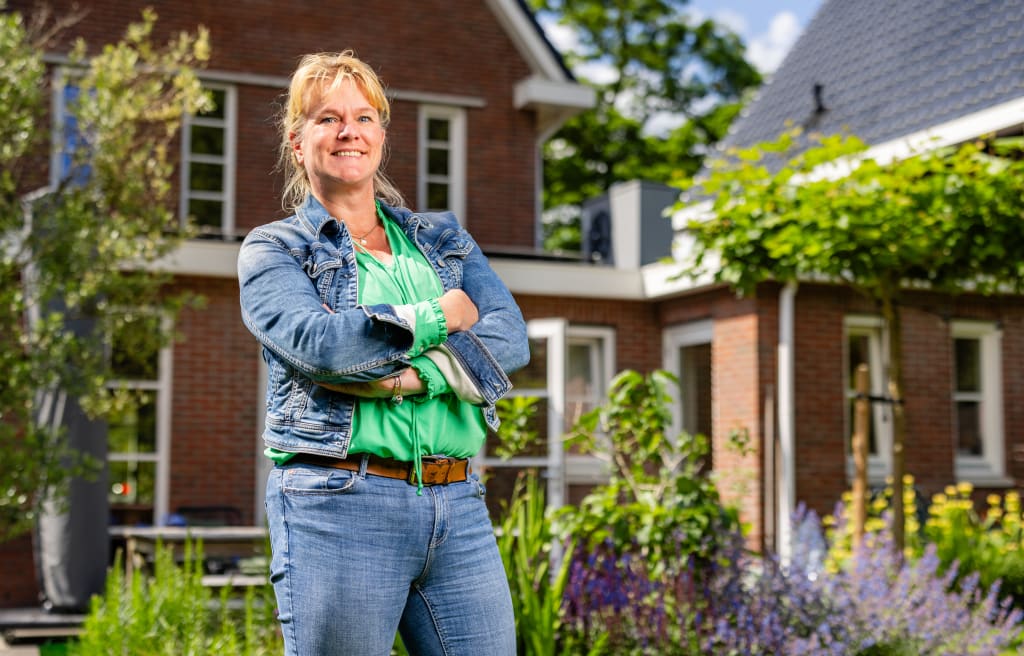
(226, 541)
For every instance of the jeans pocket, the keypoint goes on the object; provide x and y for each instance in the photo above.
(481, 489)
(312, 480)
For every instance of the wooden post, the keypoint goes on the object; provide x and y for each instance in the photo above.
(861, 426)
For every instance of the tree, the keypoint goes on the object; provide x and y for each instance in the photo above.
(73, 253)
(666, 69)
(949, 220)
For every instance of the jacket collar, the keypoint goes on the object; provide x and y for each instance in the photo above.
(315, 216)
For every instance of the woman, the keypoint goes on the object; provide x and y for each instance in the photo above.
(388, 338)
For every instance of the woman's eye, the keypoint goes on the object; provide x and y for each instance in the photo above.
(365, 119)
(328, 119)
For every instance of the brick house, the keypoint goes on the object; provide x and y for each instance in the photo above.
(481, 88)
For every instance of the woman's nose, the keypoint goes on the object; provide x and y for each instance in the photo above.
(344, 131)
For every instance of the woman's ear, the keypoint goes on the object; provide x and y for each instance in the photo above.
(296, 146)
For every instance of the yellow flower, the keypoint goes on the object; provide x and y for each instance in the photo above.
(994, 500)
(964, 488)
(950, 491)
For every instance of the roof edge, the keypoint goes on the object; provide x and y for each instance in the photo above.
(529, 38)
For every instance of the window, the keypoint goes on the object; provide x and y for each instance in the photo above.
(138, 429)
(208, 160)
(66, 136)
(865, 345)
(568, 374)
(687, 355)
(441, 178)
(977, 401)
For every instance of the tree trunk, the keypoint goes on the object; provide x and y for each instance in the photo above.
(859, 445)
(893, 321)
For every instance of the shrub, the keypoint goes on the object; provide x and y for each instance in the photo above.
(991, 544)
(644, 535)
(536, 572)
(173, 614)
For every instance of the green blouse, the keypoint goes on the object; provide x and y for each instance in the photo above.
(436, 421)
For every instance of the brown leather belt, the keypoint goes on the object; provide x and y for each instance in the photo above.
(437, 470)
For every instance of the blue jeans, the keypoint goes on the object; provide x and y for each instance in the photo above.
(357, 558)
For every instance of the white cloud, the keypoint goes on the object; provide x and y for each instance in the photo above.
(767, 50)
(732, 19)
(561, 36)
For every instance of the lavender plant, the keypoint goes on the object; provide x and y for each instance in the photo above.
(876, 605)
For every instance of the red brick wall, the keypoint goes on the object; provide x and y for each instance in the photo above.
(18, 585)
(215, 404)
(415, 45)
(637, 332)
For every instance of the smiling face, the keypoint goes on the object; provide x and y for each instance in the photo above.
(341, 142)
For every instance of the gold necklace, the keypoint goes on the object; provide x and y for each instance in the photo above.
(362, 239)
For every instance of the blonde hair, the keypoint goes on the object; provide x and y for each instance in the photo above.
(317, 74)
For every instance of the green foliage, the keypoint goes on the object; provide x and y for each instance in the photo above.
(949, 219)
(71, 254)
(659, 501)
(536, 572)
(515, 433)
(173, 613)
(990, 543)
(663, 64)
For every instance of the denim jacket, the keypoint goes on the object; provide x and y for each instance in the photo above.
(292, 270)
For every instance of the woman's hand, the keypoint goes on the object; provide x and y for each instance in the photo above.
(460, 312)
(383, 388)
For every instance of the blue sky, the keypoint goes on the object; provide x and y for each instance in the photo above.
(769, 27)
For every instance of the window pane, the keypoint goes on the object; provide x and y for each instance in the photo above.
(859, 353)
(132, 429)
(206, 177)
(207, 140)
(968, 419)
(437, 129)
(206, 212)
(695, 388)
(535, 374)
(582, 382)
(968, 364)
(132, 482)
(219, 102)
(437, 161)
(437, 196)
(134, 352)
(872, 441)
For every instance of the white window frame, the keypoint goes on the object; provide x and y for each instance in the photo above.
(456, 146)
(990, 467)
(229, 160)
(586, 469)
(674, 338)
(560, 468)
(162, 387)
(880, 463)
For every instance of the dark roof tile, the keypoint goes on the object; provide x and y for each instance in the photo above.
(891, 68)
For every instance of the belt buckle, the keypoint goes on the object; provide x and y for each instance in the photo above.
(436, 470)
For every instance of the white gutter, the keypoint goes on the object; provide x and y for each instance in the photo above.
(786, 476)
